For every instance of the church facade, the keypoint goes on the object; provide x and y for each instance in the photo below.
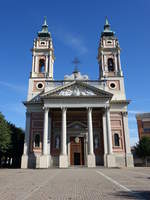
(76, 121)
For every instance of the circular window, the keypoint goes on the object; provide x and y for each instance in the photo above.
(112, 85)
(40, 85)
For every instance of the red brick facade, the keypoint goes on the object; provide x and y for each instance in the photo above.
(37, 120)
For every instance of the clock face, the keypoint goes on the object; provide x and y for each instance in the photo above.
(77, 140)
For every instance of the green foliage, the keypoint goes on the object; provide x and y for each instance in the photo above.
(11, 143)
(142, 149)
(5, 135)
(17, 139)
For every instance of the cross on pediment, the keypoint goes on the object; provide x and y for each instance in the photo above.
(76, 62)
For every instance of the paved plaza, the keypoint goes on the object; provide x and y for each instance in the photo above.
(74, 183)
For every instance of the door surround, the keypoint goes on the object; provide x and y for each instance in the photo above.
(77, 155)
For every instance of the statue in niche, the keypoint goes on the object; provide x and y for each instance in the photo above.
(57, 142)
(96, 142)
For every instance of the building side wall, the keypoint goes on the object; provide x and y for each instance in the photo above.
(143, 127)
(37, 121)
(117, 127)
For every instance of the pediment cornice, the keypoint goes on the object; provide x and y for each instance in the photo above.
(76, 89)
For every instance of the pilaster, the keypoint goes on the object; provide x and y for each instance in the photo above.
(129, 156)
(24, 159)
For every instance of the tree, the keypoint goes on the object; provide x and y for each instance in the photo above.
(17, 142)
(142, 149)
(5, 136)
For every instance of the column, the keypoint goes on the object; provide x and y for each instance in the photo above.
(126, 133)
(102, 70)
(36, 64)
(33, 63)
(105, 133)
(109, 135)
(116, 65)
(45, 134)
(102, 61)
(27, 134)
(45, 157)
(90, 132)
(90, 157)
(46, 65)
(119, 63)
(49, 133)
(50, 64)
(64, 132)
(63, 158)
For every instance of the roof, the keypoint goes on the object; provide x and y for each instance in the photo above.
(142, 115)
(44, 32)
(107, 30)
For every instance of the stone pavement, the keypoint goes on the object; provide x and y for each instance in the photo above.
(75, 184)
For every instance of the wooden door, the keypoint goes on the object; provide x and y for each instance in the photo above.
(76, 151)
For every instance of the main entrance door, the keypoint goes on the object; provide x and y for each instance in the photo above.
(76, 150)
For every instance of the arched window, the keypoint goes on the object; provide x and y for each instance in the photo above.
(37, 140)
(42, 65)
(110, 63)
(57, 142)
(116, 140)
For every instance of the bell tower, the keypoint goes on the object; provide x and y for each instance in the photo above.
(42, 61)
(109, 62)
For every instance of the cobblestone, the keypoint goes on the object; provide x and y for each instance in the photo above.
(75, 184)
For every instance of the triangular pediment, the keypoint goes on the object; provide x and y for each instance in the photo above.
(76, 89)
(36, 99)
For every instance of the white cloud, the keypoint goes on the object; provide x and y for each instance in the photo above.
(16, 108)
(76, 43)
(17, 88)
(72, 40)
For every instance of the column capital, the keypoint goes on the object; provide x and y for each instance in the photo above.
(106, 108)
(125, 114)
(64, 108)
(45, 108)
(89, 109)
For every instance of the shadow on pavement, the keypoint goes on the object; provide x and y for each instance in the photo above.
(141, 195)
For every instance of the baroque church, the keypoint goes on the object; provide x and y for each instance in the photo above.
(76, 121)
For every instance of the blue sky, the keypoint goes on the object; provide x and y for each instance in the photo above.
(75, 27)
